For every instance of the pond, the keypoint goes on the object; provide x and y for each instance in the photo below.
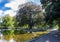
(20, 37)
(16, 38)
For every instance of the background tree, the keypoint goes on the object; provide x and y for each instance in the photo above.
(52, 11)
(15, 22)
(8, 21)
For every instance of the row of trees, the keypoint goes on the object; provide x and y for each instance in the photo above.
(30, 15)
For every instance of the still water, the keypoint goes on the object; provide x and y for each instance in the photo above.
(20, 37)
(16, 38)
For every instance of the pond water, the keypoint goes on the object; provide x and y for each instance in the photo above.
(16, 38)
(20, 37)
(3, 40)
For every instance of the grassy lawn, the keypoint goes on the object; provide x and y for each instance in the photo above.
(24, 37)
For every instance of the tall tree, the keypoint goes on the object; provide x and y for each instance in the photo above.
(30, 14)
(52, 11)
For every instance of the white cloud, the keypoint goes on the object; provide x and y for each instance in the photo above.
(15, 3)
(10, 12)
(1, 12)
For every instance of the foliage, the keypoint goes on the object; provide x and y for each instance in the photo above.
(8, 21)
(52, 11)
(9, 32)
(1, 22)
(15, 22)
(19, 32)
(30, 14)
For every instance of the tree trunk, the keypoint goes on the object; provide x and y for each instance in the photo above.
(30, 28)
(59, 27)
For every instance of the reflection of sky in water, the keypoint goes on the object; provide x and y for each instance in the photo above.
(11, 40)
(3, 40)
(1, 35)
(47, 40)
(16, 38)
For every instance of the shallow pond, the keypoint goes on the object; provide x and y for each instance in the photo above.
(16, 38)
(20, 37)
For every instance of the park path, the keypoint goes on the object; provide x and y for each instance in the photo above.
(50, 37)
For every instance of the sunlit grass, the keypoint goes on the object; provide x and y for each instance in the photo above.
(24, 37)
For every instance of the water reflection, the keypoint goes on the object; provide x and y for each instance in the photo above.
(20, 37)
(47, 40)
(15, 38)
(12, 40)
(3, 40)
(1, 35)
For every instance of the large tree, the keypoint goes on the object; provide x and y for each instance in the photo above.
(52, 11)
(30, 14)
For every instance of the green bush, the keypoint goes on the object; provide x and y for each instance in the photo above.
(19, 32)
(9, 32)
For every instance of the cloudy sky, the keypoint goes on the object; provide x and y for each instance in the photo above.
(11, 6)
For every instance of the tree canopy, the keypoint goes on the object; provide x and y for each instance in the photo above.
(8, 22)
(30, 14)
(52, 11)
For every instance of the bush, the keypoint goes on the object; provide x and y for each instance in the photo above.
(8, 32)
(19, 32)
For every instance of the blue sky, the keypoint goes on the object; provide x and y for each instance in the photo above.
(11, 6)
(2, 3)
(36, 1)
